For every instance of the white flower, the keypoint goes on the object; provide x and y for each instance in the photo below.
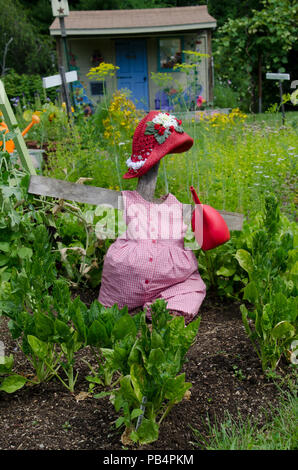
(134, 165)
(165, 120)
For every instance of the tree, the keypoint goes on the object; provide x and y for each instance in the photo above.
(248, 46)
(28, 51)
(224, 10)
(39, 13)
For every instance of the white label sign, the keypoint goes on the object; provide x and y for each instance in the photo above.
(55, 80)
(278, 76)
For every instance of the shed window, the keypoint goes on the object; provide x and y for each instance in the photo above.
(97, 88)
(170, 53)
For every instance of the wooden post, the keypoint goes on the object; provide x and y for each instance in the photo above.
(12, 125)
(282, 103)
(260, 85)
(65, 90)
(63, 35)
(279, 77)
(210, 71)
(147, 183)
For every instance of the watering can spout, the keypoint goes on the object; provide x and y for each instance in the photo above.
(9, 145)
(35, 120)
(194, 195)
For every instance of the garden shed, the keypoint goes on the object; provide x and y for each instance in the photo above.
(139, 42)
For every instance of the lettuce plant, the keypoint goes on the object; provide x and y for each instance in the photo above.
(270, 261)
(151, 382)
(9, 382)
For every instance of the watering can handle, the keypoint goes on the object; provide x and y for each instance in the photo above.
(194, 195)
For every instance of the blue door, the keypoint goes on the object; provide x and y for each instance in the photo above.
(131, 57)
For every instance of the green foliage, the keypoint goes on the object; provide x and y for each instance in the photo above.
(220, 271)
(125, 4)
(80, 234)
(150, 384)
(225, 96)
(9, 382)
(250, 44)
(16, 224)
(43, 315)
(111, 333)
(26, 48)
(270, 261)
(24, 88)
(40, 14)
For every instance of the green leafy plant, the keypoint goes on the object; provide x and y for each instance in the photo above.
(20, 214)
(9, 382)
(43, 315)
(271, 264)
(151, 384)
(220, 271)
(111, 334)
(83, 235)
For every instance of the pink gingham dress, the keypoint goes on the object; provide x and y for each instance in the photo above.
(149, 260)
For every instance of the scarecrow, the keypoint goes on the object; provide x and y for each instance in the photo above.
(149, 261)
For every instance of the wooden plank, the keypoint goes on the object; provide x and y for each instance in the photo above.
(12, 124)
(60, 189)
(44, 186)
(234, 220)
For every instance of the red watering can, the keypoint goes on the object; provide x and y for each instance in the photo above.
(215, 230)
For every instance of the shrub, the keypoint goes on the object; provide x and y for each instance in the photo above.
(26, 88)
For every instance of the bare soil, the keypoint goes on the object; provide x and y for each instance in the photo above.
(222, 366)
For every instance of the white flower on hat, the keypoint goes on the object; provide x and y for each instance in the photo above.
(166, 120)
(135, 165)
(162, 126)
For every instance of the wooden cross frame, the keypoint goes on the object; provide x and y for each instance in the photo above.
(43, 186)
(12, 125)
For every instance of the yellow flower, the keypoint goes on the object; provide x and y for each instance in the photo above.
(101, 71)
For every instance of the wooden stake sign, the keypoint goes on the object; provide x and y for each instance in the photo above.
(12, 125)
(279, 77)
(62, 79)
(56, 80)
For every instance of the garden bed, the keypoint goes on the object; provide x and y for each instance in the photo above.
(225, 372)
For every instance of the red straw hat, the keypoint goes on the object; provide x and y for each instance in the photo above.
(156, 135)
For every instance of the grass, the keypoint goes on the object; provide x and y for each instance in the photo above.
(233, 167)
(279, 433)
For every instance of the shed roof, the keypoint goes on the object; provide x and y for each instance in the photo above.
(106, 22)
